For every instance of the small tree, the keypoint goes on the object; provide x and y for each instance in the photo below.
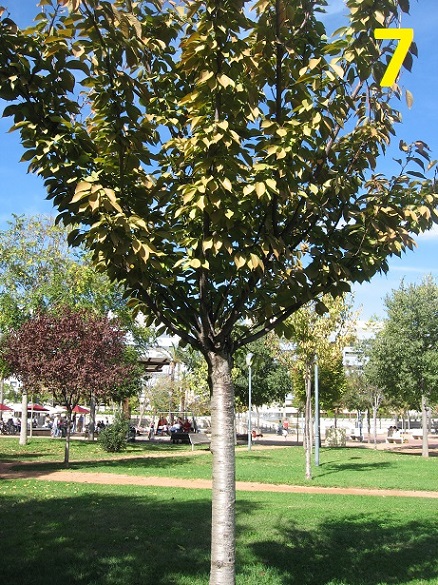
(364, 391)
(71, 354)
(318, 335)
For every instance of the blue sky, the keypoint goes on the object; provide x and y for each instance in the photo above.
(22, 193)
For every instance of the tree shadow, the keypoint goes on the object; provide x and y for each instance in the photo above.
(354, 551)
(102, 539)
(131, 464)
(359, 466)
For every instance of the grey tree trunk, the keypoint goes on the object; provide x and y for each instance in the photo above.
(23, 431)
(2, 386)
(92, 418)
(223, 546)
(375, 410)
(67, 440)
(424, 424)
(307, 439)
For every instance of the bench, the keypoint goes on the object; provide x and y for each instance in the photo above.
(43, 432)
(417, 433)
(179, 437)
(356, 434)
(396, 437)
(199, 439)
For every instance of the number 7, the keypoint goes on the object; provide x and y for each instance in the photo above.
(405, 36)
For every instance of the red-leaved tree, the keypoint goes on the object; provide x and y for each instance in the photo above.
(72, 354)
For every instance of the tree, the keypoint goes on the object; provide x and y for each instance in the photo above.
(322, 338)
(71, 354)
(406, 351)
(271, 380)
(220, 160)
(363, 384)
(38, 271)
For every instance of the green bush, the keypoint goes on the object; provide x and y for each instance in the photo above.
(114, 437)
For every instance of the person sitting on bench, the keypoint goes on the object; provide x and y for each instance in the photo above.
(187, 426)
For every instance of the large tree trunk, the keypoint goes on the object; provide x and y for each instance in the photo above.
(23, 431)
(223, 546)
(424, 424)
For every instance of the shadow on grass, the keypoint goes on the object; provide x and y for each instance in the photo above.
(132, 464)
(359, 466)
(101, 539)
(94, 535)
(353, 552)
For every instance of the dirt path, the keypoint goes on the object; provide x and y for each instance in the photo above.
(16, 470)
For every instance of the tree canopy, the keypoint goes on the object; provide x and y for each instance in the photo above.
(148, 122)
(405, 355)
(271, 380)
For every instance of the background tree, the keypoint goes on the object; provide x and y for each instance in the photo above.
(71, 354)
(271, 380)
(364, 392)
(406, 352)
(221, 162)
(38, 272)
(319, 337)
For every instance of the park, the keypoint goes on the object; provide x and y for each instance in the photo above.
(136, 523)
(223, 171)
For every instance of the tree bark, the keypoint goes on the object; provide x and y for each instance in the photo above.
(307, 439)
(223, 495)
(67, 440)
(375, 409)
(2, 387)
(425, 441)
(23, 431)
(92, 418)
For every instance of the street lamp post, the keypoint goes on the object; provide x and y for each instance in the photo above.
(249, 364)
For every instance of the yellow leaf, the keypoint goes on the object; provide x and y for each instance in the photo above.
(239, 260)
(226, 183)
(248, 189)
(337, 69)
(225, 81)
(409, 99)
(82, 188)
(260, 189)
(272, 184)
(195, 263)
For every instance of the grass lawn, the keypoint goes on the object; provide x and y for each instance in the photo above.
(350, 467)
(85, 534)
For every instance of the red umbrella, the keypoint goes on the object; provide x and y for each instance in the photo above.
(4, 407)
(80, 410)
(37, 408)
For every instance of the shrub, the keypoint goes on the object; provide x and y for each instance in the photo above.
(114, 437)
